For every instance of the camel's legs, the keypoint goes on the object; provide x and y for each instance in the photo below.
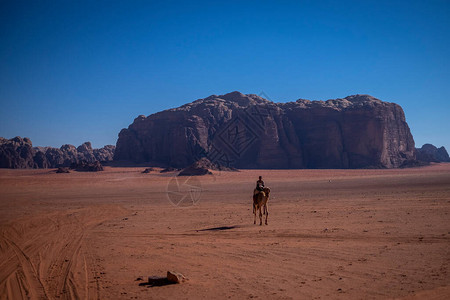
(254, 213)
(260, 216)
(267, 212)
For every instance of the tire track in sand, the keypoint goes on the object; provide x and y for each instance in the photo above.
(49, 257)
(26, 277)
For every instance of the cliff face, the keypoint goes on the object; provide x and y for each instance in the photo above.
(247, 131)
(19, 153)
(355, 132)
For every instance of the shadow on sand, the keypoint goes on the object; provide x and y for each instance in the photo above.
(156, 281)
(220, 228)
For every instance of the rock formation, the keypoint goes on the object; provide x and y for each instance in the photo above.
(148, 170)
(203, 167)
(194, 171)
(84, 166)
(430, 153)
(19, 153)
(247, 131)
(175, 277)
(62, 170)
(104, 154)
(169, 169)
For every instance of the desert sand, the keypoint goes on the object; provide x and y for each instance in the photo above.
(332, 234)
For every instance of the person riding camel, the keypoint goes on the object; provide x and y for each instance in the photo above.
(260, 184)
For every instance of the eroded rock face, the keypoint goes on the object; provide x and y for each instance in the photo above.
(69, 154)
(19, 153)
(247, 131)
(104, 154)
(430, 153)
(16, 153)
(86, 152)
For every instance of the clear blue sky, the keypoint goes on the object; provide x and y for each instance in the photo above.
(75, 71)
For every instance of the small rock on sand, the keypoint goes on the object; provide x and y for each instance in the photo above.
(63, 170)
(169, 169)
(175, 277)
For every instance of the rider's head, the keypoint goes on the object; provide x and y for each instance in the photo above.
(260, 177)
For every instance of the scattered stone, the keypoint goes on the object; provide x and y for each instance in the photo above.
(169, 169)
(63, 170)
(189, 171)
(175, 277)
(87, 167)
(205, 163)
(148, 170)
(156, 281)
(203, 167)
(199, 168)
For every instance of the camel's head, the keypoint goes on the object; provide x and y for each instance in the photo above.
(267, 191)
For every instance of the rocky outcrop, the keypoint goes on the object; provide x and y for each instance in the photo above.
(194, 171)
(84, 166)
(19, 153)
(169, 169)
(430, 153)
(104, 154)
(201, 167)
(68, 154)
(62, 170)
(85, 150)
(247, 131)
(148, 170)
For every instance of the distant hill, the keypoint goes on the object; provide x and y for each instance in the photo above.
(248, 131)
(430, 153)
(19, 153)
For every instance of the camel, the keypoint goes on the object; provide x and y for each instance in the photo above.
(260, 199)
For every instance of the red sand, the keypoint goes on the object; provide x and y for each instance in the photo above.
(332, 234)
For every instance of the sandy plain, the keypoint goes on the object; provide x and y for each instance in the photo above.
(332, 234)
